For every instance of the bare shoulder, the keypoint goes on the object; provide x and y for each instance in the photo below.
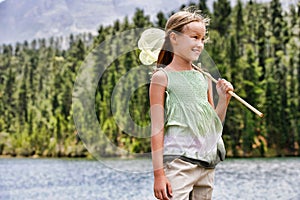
(159, 77)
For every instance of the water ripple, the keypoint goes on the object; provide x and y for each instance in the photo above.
(242, 179)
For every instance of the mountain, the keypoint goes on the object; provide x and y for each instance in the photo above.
(28, 19)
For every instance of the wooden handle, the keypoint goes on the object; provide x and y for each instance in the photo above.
(246, 104)
(260, 114)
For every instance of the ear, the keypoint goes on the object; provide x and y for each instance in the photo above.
(173, 38)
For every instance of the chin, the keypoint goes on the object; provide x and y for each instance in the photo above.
(195, 58)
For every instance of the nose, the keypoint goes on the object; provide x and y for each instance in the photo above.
(200, 44)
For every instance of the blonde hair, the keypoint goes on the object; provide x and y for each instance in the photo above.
(178, 20)
(176, 23)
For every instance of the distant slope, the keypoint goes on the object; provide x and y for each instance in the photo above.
(28, 19)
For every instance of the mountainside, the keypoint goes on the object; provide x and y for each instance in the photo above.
(27, 19)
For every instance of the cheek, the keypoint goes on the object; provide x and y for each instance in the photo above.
(188, 43)
(182, 44)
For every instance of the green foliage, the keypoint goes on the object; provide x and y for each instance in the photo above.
(221, 16)
(255, 46)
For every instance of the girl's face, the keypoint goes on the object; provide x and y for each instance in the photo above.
(189, 44)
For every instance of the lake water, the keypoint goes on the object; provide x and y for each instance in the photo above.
(240, 179)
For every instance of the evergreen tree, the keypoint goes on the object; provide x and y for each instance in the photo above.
(298, 78)
(278, 71)
(140, 20)
(161, 20)
(125, 25)
(203, 7)
(253, 92)
(239, 23)
(221, 16)
(261, 42)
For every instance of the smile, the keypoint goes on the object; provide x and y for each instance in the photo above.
(196, 51)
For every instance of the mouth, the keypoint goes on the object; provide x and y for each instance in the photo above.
(198, 51)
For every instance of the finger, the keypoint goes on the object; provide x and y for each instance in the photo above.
(229, 87)
(158, 195)
(162, 195)
(170, 192)
(224, 84)
(165, 195)
(221, 82)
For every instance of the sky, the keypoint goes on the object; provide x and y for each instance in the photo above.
(118, 9)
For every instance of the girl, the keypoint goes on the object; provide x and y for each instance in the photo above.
(186, 129)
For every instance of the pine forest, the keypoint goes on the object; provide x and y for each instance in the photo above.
(256, 46)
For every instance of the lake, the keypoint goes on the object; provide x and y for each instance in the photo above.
(241, 179)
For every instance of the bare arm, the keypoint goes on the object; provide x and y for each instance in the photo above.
(223, 87)
(210, 94)
(158, 85)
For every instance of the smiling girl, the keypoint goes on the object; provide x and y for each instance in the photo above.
(186, 126)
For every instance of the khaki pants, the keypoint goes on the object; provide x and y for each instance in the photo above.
(189, 181)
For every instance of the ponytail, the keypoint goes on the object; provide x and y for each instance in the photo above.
(165, 55)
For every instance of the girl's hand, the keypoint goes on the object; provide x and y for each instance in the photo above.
(162, 188)
(223, 87)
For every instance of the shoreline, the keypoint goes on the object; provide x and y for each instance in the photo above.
(90, 157)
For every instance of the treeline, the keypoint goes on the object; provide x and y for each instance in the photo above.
(255, 46)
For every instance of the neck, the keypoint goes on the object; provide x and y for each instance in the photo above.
(179, 63)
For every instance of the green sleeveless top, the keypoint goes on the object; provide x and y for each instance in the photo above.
(192, 127)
